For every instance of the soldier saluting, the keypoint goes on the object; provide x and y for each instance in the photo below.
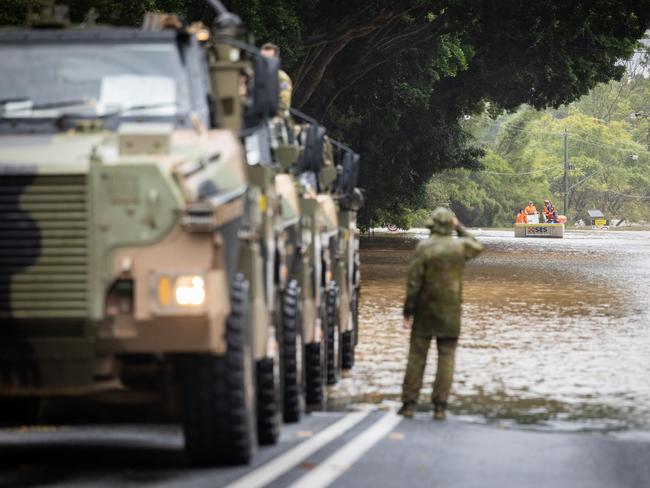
(433, 304)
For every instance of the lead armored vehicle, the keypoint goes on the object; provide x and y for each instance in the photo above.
(130, 254)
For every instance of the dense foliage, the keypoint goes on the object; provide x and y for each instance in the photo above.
(608, 155)
(393, 78)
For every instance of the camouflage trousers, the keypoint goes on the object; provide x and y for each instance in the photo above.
(417, 360)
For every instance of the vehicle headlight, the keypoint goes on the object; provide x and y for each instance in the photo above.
(189, 290)
(180, 291)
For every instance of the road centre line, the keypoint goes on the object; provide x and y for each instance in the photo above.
(339, 462)
(283, 463)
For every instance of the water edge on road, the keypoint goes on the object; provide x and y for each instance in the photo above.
(555, 331)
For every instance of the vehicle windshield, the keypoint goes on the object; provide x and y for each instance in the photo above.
(133, 79)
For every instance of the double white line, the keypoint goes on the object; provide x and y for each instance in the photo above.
(334, 466)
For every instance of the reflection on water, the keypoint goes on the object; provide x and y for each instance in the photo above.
(555, 331)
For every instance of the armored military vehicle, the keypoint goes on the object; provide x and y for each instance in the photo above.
(287, 242)
(319, 298)
(339, 180)
(292, 206)
(349, 199)
(129, 234)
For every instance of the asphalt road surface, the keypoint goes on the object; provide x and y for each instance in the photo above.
(369, 447)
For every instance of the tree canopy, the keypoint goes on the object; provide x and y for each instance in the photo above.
(394, 78)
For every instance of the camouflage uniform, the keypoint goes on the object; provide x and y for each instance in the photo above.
(286, 89)
(433, 298)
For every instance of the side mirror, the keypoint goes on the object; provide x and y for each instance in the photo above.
(312, 157)
(349, 176)
(264, 91)
(357, 200)
(351, 197)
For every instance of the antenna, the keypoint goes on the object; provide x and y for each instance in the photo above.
(218, 7)
(224, 18)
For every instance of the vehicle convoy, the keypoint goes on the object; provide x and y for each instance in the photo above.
(324, 268)
(143, 247)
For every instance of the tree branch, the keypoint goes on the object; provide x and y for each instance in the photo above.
(374, 59)
(323, 49)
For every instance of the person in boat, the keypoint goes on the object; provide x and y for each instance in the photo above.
(551, 216)
(531, 209)
(547, 209)
(521, 217)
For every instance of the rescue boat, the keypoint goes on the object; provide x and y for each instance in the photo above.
(535, 228)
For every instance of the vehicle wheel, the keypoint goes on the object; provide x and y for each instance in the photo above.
(356, 295)
(316, 363)
(315, 390)
(333, 335)
(292, 353)
(268, 410)
(218, 393)
(347, 349)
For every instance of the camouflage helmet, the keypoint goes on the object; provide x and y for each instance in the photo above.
(441, 221)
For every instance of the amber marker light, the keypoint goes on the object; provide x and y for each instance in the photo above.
(164, 291)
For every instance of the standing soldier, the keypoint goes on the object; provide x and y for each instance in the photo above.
(432, 306)
(286, 85)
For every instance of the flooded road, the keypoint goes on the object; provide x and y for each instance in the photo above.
(556, 332)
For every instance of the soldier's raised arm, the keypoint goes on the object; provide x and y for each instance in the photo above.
(414, 278)
(472, 247)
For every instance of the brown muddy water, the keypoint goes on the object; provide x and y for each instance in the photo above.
(556, 332)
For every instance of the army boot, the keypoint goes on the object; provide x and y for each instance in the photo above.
(407, 410)
(439, 413)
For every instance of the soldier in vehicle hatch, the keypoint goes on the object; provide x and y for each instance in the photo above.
(433, 304)
(286, 85)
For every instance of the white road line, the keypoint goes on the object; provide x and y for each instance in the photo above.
(283, 463)
(339, 462)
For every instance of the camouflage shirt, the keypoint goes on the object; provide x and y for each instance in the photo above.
(434, 283)
(286, 90)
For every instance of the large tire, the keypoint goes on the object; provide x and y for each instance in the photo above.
(333, 335)
(316, 364)
(315, 389)
(349, 339)
(292, 354)
(356, 296)
(218, 394)
(347, 349)
(268, 409)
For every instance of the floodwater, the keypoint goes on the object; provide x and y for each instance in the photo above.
(555, 334)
